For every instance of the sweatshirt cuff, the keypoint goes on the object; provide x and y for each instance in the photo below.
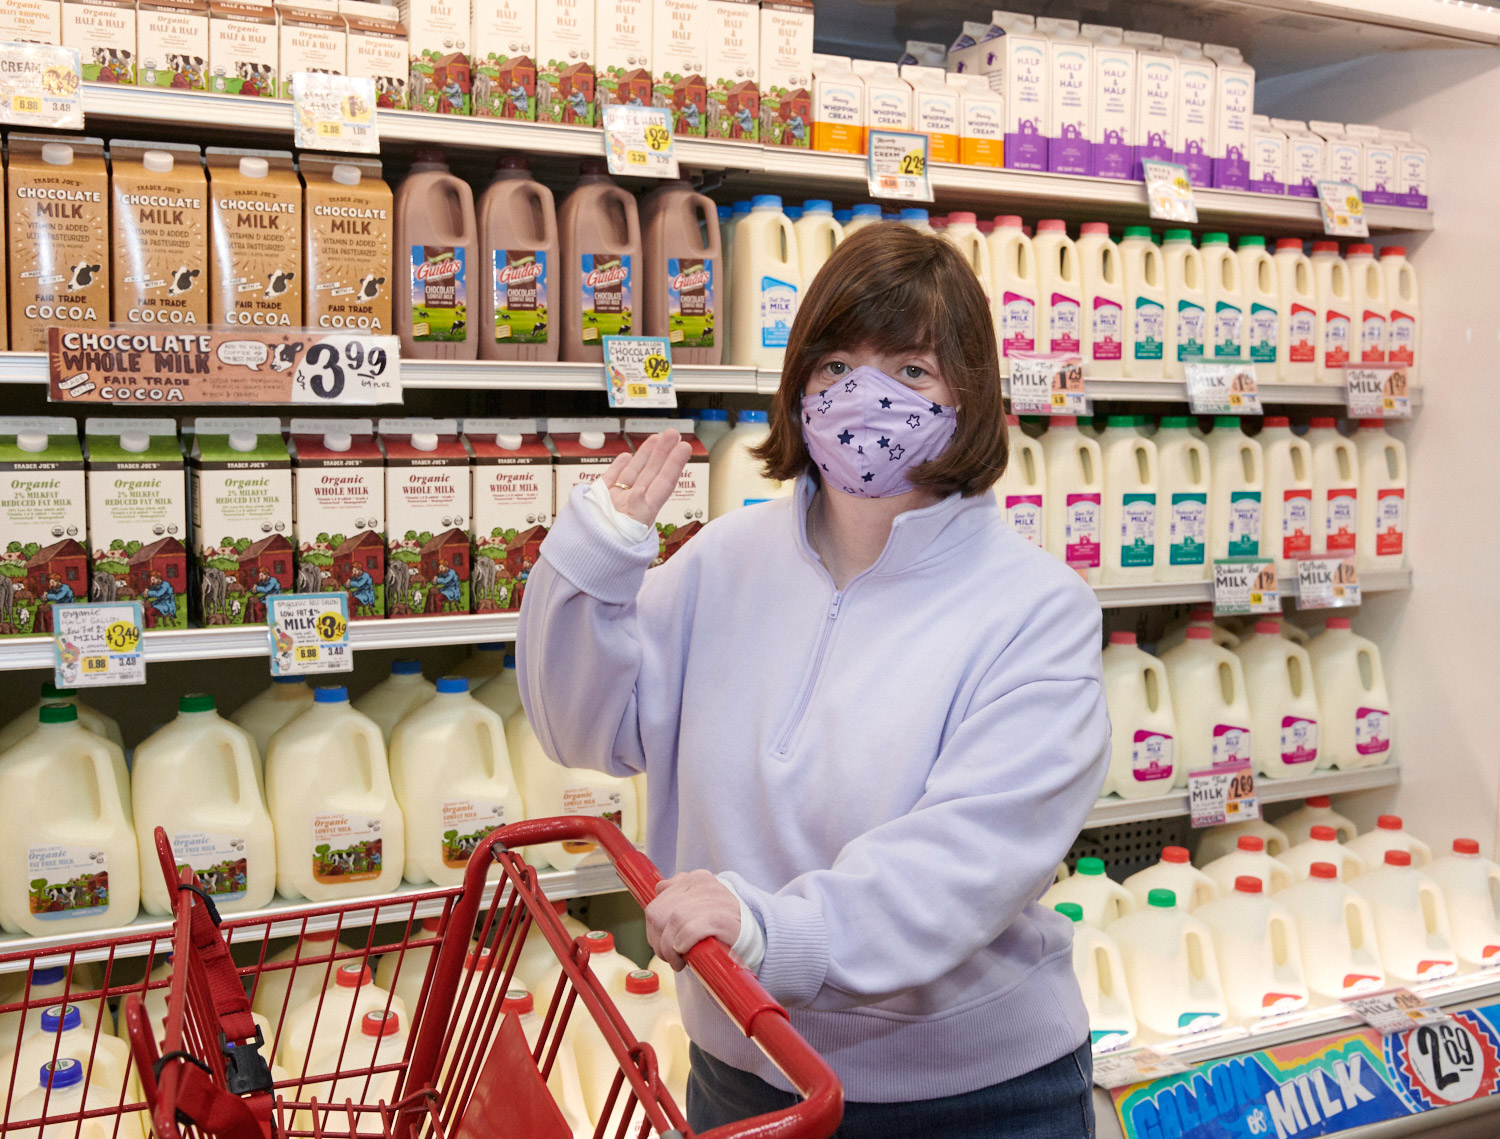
(750, 945)
(796, 954)
(589, 550)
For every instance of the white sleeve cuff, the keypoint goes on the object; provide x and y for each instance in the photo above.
(750, 946)
(632, 531)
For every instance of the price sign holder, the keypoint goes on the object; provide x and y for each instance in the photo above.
(1121, 1069)
(1224, 794)
(1343, 210)
(1169, 192)
(1223, 387)
(1246, 585)
(1047, 383)
(334, 112)
(898, 166)
(638, 140)
(1377, 391)
(98, 644)
(309, 633)
(1327, 583)
(638, 371)
(1391, 1012)
(40, 86)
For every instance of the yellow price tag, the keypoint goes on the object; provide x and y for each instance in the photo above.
(657, 367)
(912, 163)
(331, 627)
(1354, 205)
(122, 636)
(1257, 598)
(1059, 399)
(637, 391)
(635, 158)
(95, 665)
(330, 130)
(658, 138)
(1236, 400)
(1181, 184)
(26, 104)
(307, 652)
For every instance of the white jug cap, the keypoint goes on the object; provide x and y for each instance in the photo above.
(243, 440)
(346, 174)
(32, 441)
(424, 440)
(135, 441)
(508, 441)
(57, 154)
(593, 440)
(158, 161)
(338, 440)
(252, 167)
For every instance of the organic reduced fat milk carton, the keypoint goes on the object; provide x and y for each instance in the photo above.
(1114, 109)
(1156, 99)
(622, 53)
(427, 500)
(981, 131)
(243, 49)
(936, 110)
(159, 249)
(348, 242)
(43, 516)
(1304, 158)
(679, 59)
(584, 448)
(786, 50)
(338, 512)
(838, 105)
(31, 21)
(504, 49)
(687, 510)
(377, 49)
(565, 62)
(734, 70)
(172, 44)
(57, 214)
(255, 238)
(103, 34)
(438, 34)
(514, 488)
(242, 518)
(138, 517)
(311, 41)
(1268, 156)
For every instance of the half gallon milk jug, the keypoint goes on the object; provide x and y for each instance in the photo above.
(89, 721)
(600, 232)
(1297, 309)
(1260, 957)
(1316, 811)
(1014, 291)
(1182, 548)
(767, 285)
(1237, 469)
(962, 232)
(403, 691)
(734, 475)
(1145, 304)
(1101, 976)
(519, 266)
(1132, 495)
(1170, 969)
(1187, 300)
(1411, 920)
(1336, 929)
(1218, 841)
(196, 777)
(1333, 331)
(63, 1035)
(683, 278)
(437, 257)
(1203, 617)
(280, 992)
(501, 694)
(69, 862)
(1143, 729)
(818, 235)
(485, 660)
(605, 961)
(451, 773)
(376, 1039)
(1226, 299)
(1283, 705)
(1022, 489)
(1322, 846)
(1286, 522)
(339, 832)
(1471, 885)
(1248, 858)
(1372, 312)
(1075, 496)
(1335, 479)
(264, 715)
(26, 723)
(1381, 544)
(1357, 726)
(1262, 307)
(1059, 289)
(653, 1018)
(1213, 709)
(1389, 833)
(1403, 337)
(1174, 872)
(710, 424)
(1102, 899)
(58, 1088)
(919, 219)
(1103, 275)
(326, 1017)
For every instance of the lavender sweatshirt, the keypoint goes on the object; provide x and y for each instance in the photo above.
(888, 775)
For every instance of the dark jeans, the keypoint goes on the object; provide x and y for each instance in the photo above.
(1055, 1101)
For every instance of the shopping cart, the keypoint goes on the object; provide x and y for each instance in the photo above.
(467, 1071)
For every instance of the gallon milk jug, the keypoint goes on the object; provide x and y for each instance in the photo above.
(519, 265)
(919, 220)
(1260, 956)
(1333, 331)
(1335, 485)
(196, 777)
(767, 285)
(1187, 300)
(1316, 811)
(1022, 489)
(1322, 846)
(1182, 549)
(1371, 315)
(600, 231)
(405, 972)
(1145, 304)
(280, 992)
(1470, 885)
(653, 1018)
(437, 257)
(1262, 308)
(339, 832)
(121, 774)
(1101, 976)
(1103, 276)
(607, 963)
(58, 1088)
(1212, 706)
(683, 278)
(734, 475)
(1203, 617)
(549, 788)
(1389, 834)
(1403, 337)
(1357, 726)
(501, 694)
(1248, 858)
(710, 424)
(1132, 492)
(1283, 705)
(538, 961)
(451, 773)
(1143, 730)
(1059, 317)
(1286, 523)
(1336, 928)
(1382, 498)
(1225, 309)
(1174, 872)
(264, 715)
(1225, 839)
(1237, 473)
(1411, 920)
(818, 235)
(403, 691)
(24, 724)
(377, 1038)
(331, 1016)
(49, 984)
(1014, 291)
(962, 232)
(1102, 899)
(863, 214)
(485, 660)
(1170, 969)
(64, 1035)
(1075, 496)
(69, 862)
(1297, 313)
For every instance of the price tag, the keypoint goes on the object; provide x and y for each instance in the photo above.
(638, 140)
(639, 371)
(309, 633)
(1245, 585)
(1223, 388)
(1377, 391)
(1121, 1069)
(898, 166)
(1224, 794)
(349, 368)
(1343, 210)
(1169, 192)
(99, 644)
(1047, 383)
(39, 86)
(1394, 1011)
(1327, 583)
(335, 112)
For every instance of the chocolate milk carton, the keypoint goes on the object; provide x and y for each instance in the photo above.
(599, 224)
(565, 62)
(514, 489)
(687, 510)
(505, 59)
(679, 55)
(427, 500)
(378, 49)
(172, 42)
(348, 231)
(437, 252)
(584, 448)
(243, 49)
(733, 75)
(311, 40)
(338, 512)
(622, 53)
(31, 21)
(138, 517)
(786, 51)
(255, 238)
(57, 211)
(43, 561)
(438, 34)
(160, 225)
(103, 34)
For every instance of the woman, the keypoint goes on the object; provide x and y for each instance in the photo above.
(870, 713)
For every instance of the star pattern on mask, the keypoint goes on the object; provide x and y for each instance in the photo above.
(883, 441)
(867, 477)
(826, 406)
(936, 408)
(850, 385)
(914, 420)
(807, 419)
(896, 452)
(885, 403)
(846, 437)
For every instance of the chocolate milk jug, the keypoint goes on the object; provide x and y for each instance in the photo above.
(160, 249)
(347, 251)
(601, 232)
(518, 265)
(683, 272)
(255, 238)
(437, 247)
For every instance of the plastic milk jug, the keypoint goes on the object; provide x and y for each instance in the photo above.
(24, 724)
(1022, 489)
(1101, 976)
(281, 992)
(1237, 470)
(377, 1038)
(331, 1015)
(1104, 314)
(1297, 310)
(1262, 305)
(734, 475)
(196, 777)
(264, 715)
(1404, 335)
(59, 1088)
(1471, 886)
(683, 282)
(1225, 308)
(1336, 929)
(451, 773)
(1316, 811)
(404, 973)
(1143, 728)
(818, 235)
(1371, 315)
(1260, 956)
(919, 219)
(1322, 846)
(1381, 544)
(1333, 332)
(520, 266)
(1174, 872)
(1389, 834)
(962, 232)
(1170, 969)
(1075, 496)
(485, 659)
(1203, 617)
(437, 248)
(1213, 709)
(1221, 840)
(48, 984)
(1015, 291)
(863, 214)
(1248, 858)
(1287, 513)
(339, 832)
(1182, 547)
(64, 1035)
(501, 694)
(599, 229)
(607, 963)
(69, 862)
(1102, 899)
(1283, 705)
(1132, 499)
(405, 690)
(767, 284)
(538, 961)
(1145, 304)
(653, 1018)
(1059, 319)
(1357, 725)
(1187, 301)
(1411, 920)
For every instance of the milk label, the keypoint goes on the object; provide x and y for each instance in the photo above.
(1069, 150)
(579, 464)
(1244, 523)
(1372, 337)
(1082, 527)
(1403, 338)
(520, 296)
(1151, 757)
(622, 53)
(1067, 323)
(591, 802)
(1195, 122)
(43, 561)
(514, 488)
(172, 39)
(1150, 328)
(104, 34)
(1302, 334)
(1390, 522)
(1231, 744)
(1138, 531)
(505, 67)
(690, 302)
(1372, 731)
(1024, 513)
(778, 308)
(1299, 740)
(346, 848)
(1264, 322)
(217, 859)
(439, 295)
(427, 501)
(1189, 530)
(465, 824)
(65, 881)
(1336, 338)
(1342, 519)
(786, 50)
(1156, 103)
(339, 514)
(1227, 320)
(1108, 333)
(1296, 524)
(311, 41)
(608, 294)
(1018, 333)
(1190, 330)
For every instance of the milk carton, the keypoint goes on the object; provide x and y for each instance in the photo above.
(622, 50)
(338, 511)
(1101, 899)
(312, 41)
(936, 110)
(1197, 83)
(1115, 90)
(138, 516)
(687, 510)
(584, 448)
(347, 244)
(514, 490)
(1411, 174)
(1234, 100)
(378, 49)
(838, 105)
(31, 21)
(1364, 136)
(172, 44)
(427, 499)
(1381, 170)
(1304, 158)
(1070, 97)
(888, 99)
(159, 250)
(1268, 156)
(1012, 55)
(679, 57)
(255, 238)
(733, 70)
(243, 50)
(786, 50)
(1343, 157)
(981, 119)
(1156, 99)
(438, 44)
(504, 54)
(43, 517)
(103, 33)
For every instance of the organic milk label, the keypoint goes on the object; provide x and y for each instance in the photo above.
(1296, 524)
(1231, 744)
(66, 882)
(733, 70)
(1190, 330)
(690, 302)
(439, 294)
(1018, 332)
(1403, 334)
(1138, 531)
(1189, 530)
(1227, 320)
(513, 494)
(778, 308)
(1372, 338)
(1342, 519)
(465, 823)
(1081, 531)
(520, 296)
(339, 514)
(1108, 329)
(1299, 739)
(594, 802)
(1150, 329)
(427, 502)
(1151, 757)
(1244, 523)
(607, 295)
(1067, 323)
(1390, 522)
(1264, 321)
(1336, 339)
(1024, 513)
(1372, 731)
(43, 561)
(217, 859)
(346, 848)
(1301, 332)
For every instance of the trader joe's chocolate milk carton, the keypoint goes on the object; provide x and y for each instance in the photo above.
(513, 491)
(43, 522)
(427, 503)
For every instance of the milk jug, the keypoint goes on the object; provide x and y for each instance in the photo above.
(1103, 273)
(734, 475)
(437, 254)
(155, 1002)
(1187, 301)
(519, 266)
(1145, 304)
(69, 860)
(1182, 547)
(1143, 729)
(403, 691)
(485, 660)
(196, 777)
(1471, 885)
(1287, 514)
(1411, 920)
(339, 831)
(1248, 858)
(607, 963)
(48, 984)
(1336, 929)
(1022, 489)
(1357, 724)
(863, 214)
(537, 961)
(1213, 709)
(1283, 705)
(710, 424)
(818, 235)
(451, 774)
(1225, 307)
(1322, 845)
(63, 1035)
(1101, 899)
(600, 231)
(1237, 473)
(280, 992)
(329, 1016)
(1381, 544)
(1174, 872)
(58, 1088)
(1297, 313)
(1404, 335)
(1316, 811)
(1171, 970)
(683, 279)
(1260, 956)
(376, 1039)
(1101, 976)
(1218, 841)
(1333, 331)
(95, 721)
(1371, 311)
(1059, 318)
(264, 714)
(919, 219)
(1075, 496)
(501, 693)
(1132, 493)
(962, 232)
(1389, 834)
(1201, 616)
(1262, 306)
(1014, 291)
(404, 971)
(767, 285)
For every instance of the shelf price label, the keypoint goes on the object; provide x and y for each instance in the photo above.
(99, 644)
(1245, 585)
(1327, 583)
(1169, 192)
(1377, 391)
(1343, 210)
(1047, 383)
(1391, 1012)
(1223, 794)
(309, 633)
(39, 86)
(638, 140)
(898, 166)
(1122, 1069)
(1223, 387)
(639, 371)
(335, 112)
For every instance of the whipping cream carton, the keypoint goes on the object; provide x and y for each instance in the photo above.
(887, 96)
(242, 49)
(733, 74)
(981, 121)
(1156, 99)
(1012, 56)
(679, 56)
(31, 21)
(441, 63)
(1268, 156)
(43, 516)
(584, 448)
(514, 489)
(427, 501)
(838, 105)
(103, 33)
(786, 51)
(921, 54)
(622, 47)
(338, 512)
(1411, 171)
(377, 49)
(1114, 88)
(1234, 104)
(937, 110)
(504, 51)
(1197, 83)
(1070, 100)
(1343, 157)
(1304, 158)
(686, 512)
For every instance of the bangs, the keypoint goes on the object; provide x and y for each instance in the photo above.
(905, 316)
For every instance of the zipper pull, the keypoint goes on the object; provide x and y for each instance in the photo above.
(833, 612)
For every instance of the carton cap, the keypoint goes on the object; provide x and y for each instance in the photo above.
(1070, 910)
(592, 440)
(158, 161)
(338, 440)
(508, 441)
(57, 154)
(243, 440)
(1162, 899)
(252, 167)
(346, 174)
(32, 441)
(353, 975)
(135, 441)
(424, 440)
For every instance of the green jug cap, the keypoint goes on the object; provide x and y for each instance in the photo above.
(59, 714)
(196, 702)
(1070, 910)
(1162, 899)
(1090, 866)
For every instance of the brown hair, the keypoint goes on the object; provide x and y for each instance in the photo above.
(892, 289)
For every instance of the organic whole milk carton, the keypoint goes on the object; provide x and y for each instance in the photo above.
(565, 62)
(514, 488)
(103, 33)
(438, 41)
(338, 511)
(243, 49)
(686, 512)
(427, 500)
(43, 519)
(786, 51)
(679, 58)
(584, 449)
(733, 75)
(504, 45)
(138, 517)
(172, 44)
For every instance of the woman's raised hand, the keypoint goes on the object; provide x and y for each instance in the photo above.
(640, 484)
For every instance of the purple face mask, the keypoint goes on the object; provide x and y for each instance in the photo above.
(868, 430)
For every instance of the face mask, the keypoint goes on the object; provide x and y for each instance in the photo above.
(868, 430)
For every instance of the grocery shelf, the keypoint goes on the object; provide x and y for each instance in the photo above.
(1175, 391)
(1192, 592)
